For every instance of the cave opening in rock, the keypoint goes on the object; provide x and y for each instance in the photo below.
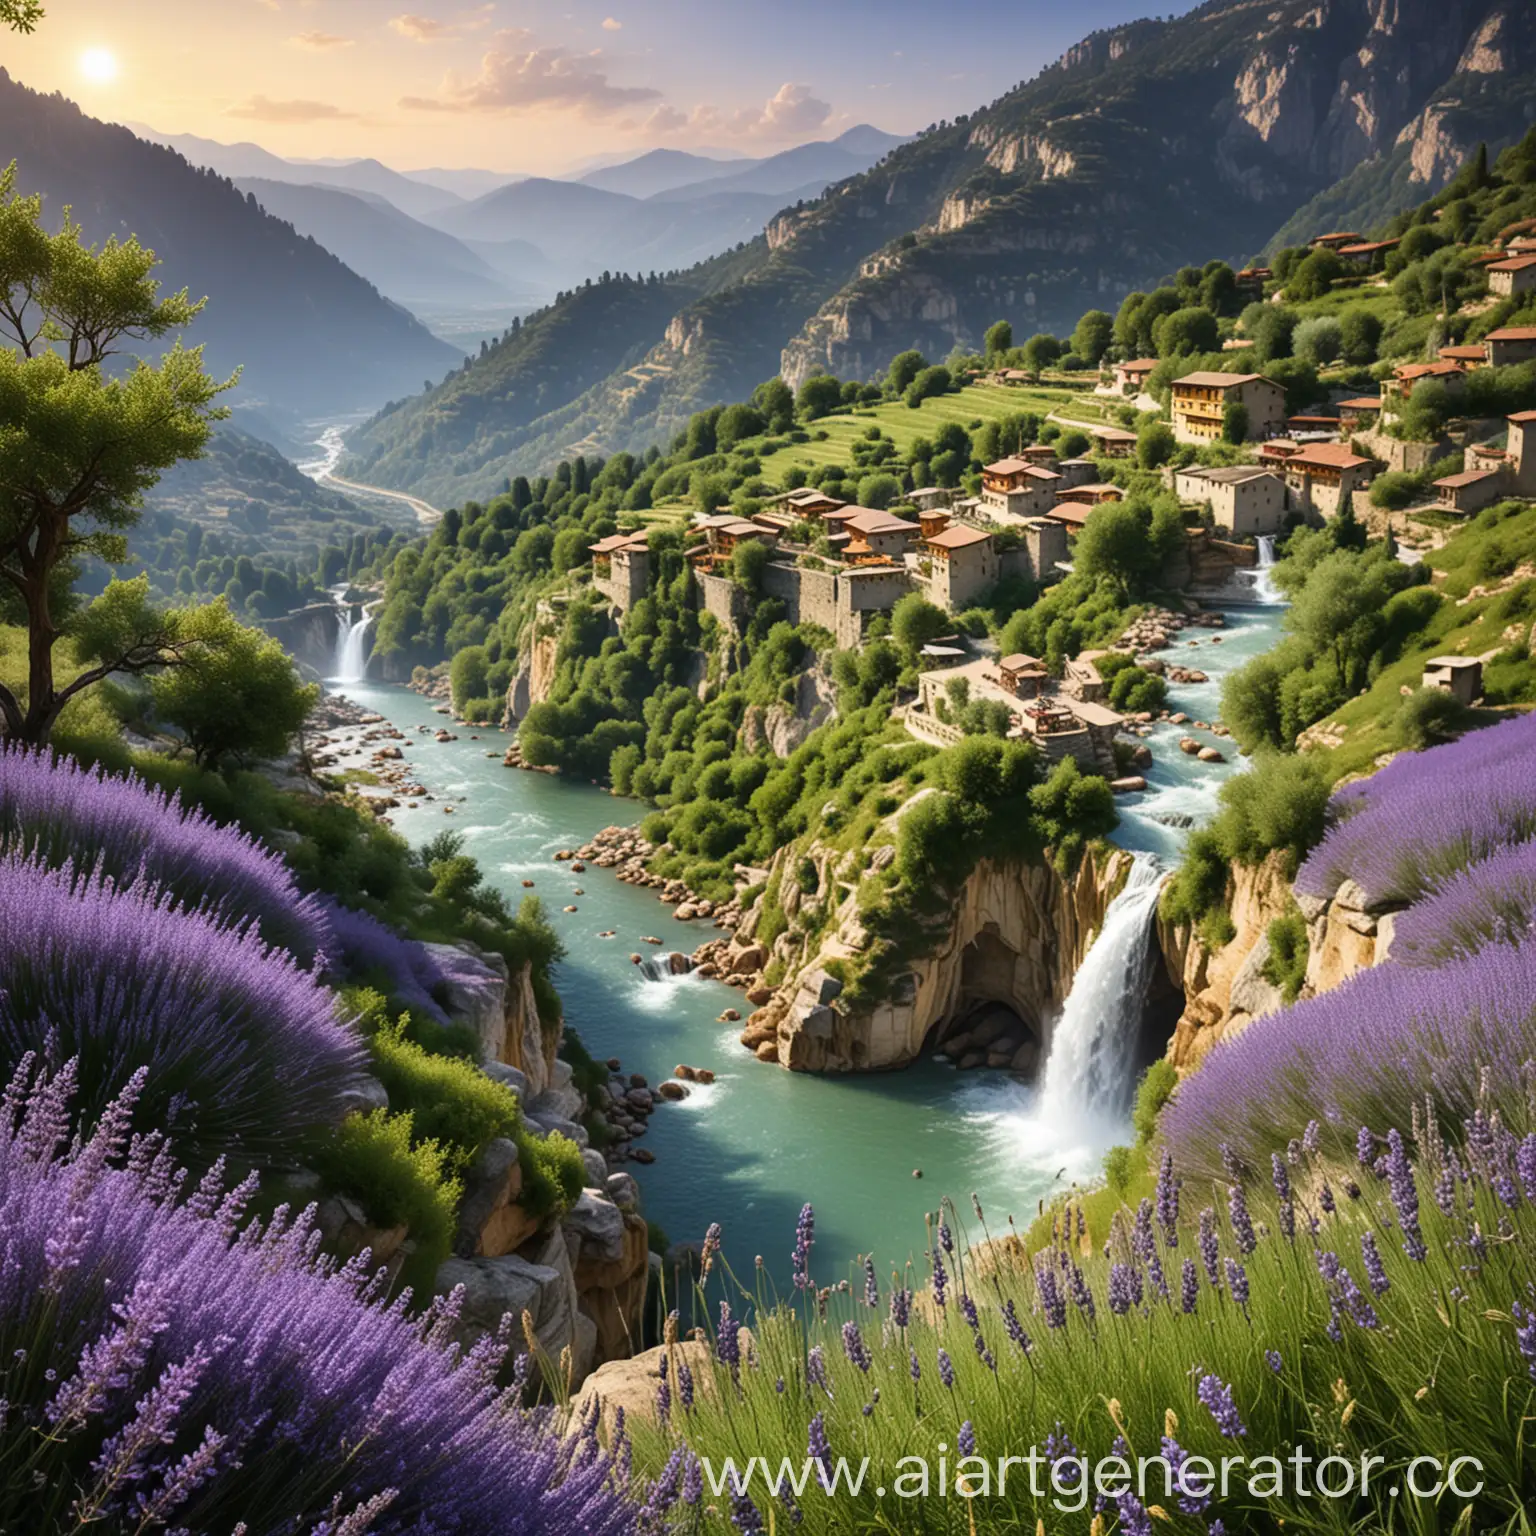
(993, 1021)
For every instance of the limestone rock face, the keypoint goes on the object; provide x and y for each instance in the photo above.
(631, 1384)
(1018, 935)
(1224, 990)
(477, 993)
(491, 1223)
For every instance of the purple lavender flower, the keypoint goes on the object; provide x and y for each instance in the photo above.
(901, 1306)
(940, 1280)
(1273, 1361)
(946, 1368)
(1125, 1288)
(1014, 1328)
(1189, 1286)
(248, 1058)
(268, 1383)
(946, 1241)
(1175, 1455)
(800, 1259)
(1059, 1449)
(684, 1385)
(745, 1515)
(728, 1339)
(1398, 836)
(1405, 1196)
(1375, 1270)
(1217, 1397)
(1168, 1200)
(710, 1250)
(1280, 1176)
(1051, 1302)
(1237, 1283)
(1210, 1248)
(1525, 1335)
(816, 1368)
(871, 1287)
(855, 1348)
(819, 1448)
(1312, 1139)
(965, 1441)
(1242, 1222)
(1489, 903)
(128, 833)
(1081, 1294)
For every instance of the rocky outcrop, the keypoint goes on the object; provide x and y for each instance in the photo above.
(538, 648)
(1225, 989)
(782, 726)
(1016, 938)
(308, 635)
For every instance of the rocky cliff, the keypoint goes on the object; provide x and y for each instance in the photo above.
(1017, 937)
(1225, 989)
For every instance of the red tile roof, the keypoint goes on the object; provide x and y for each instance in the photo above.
(958, 537)
(1514, 264)
(1514, 333)
(1222, 380)
(1326, 456)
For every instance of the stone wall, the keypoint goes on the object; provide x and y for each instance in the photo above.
(724, 598)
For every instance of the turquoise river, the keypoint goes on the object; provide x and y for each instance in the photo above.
(751, 1149)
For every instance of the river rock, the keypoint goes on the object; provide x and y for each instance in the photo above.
(1130, 785)
(623, 1191)
(598, 1226)
(1211, 755)
(673, 1091)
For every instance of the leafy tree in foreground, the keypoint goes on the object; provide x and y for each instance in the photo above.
(235, 693)
(20, 15)
(80, 447)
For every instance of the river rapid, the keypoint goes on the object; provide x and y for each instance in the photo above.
(749, 1150)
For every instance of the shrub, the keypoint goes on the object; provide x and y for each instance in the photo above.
(1427, 717)
(366, 950)
(244, 1053)
(120, 827)
(1286, 964)
(179, 1374)
(453, 1101)
(399, 1181)
(1119, 1166)
(1152, 1093)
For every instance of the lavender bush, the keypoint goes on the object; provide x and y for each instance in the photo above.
(244, 1051)
(163, 1369)
(360, 945)
(1427, 815)
(1493, 902)
(60, 812)
(1371, 1050)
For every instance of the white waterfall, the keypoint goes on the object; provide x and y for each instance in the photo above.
(351, 651)
(1090, 1069)
(1264, 588)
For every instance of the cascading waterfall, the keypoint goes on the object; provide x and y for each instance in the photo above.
(1264, 588)
(351, 654)
(1088, 1073)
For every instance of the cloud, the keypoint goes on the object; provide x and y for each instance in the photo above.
(421, 29)
(516, 76)
(320, 40)
(612, 24)
(792, 112)
(263, 109)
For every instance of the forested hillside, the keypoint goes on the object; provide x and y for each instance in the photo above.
(1052, 200)
(310, 334)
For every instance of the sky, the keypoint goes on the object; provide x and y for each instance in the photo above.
(537, 87)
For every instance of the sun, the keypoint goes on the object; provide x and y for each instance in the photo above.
(98, 64)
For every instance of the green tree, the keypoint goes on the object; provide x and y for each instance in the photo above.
(1270, 330)
(1359, 335)
(999, 338)
(1234, 422)
(929, 383)
(1040, 351)
(1184, 332)
(20, 15)
(469, 675)
(1318, 340)
(708, 492)
(1314, 277)
(737, 423)
(820, 395)
(234, 694)
(776, 400)
(905, 367)
(747, 562)
(879, 490)
(1073, 443)
(915, 621)
(1092, 335)
(81, 442)
(1155, 443)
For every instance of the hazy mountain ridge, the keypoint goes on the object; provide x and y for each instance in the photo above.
(310, 334)
(1144, 147)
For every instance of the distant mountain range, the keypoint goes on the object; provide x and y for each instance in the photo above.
(517, 241)
(310, 333)
(1144, 147)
